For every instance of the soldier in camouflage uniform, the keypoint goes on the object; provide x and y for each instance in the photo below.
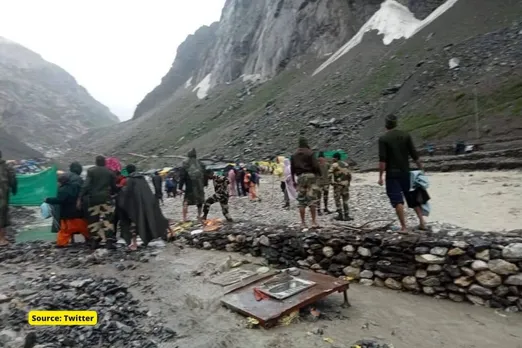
(341, 178)
(8, 184)
(324, 183)
(220, 195)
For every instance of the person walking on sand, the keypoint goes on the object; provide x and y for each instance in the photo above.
(395, 149)
(305, 167)
(8, 184)
(192, 175)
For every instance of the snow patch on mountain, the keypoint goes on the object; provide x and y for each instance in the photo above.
(203, 87)
(394, 21)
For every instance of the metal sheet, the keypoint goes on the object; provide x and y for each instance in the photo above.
(231, 277)
(269, 310)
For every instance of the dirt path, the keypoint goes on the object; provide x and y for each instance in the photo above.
(190, 304)
(484, 201)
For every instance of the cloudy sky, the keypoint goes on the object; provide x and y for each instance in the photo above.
(119, 50)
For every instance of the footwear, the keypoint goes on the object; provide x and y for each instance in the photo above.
(348, 217)
(326, 211)
(319, 213)
(339, 217)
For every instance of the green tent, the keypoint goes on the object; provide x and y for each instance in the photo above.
(329, 154)
(33, 189)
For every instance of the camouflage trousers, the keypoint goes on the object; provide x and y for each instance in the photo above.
(307, 190)
(215, 198)
(341, 193)
(100, 220)
(323, 193)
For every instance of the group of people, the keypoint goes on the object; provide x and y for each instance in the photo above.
(106, 199)
(307, 178)
(244, 181)
(96, 207)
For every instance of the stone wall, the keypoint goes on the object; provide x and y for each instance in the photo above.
(482, 268)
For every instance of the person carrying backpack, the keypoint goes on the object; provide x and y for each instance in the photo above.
(193, 178)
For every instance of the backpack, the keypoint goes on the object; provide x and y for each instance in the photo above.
(194, 171)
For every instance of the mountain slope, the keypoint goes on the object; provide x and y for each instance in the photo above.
(41, 104)
(342, 105)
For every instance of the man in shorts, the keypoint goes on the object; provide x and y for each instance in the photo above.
(395, 149)
(305, 167)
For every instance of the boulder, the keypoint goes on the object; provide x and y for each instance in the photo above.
(502, 267)
(483, 255)
(512, 251)
(352, 272)
(439, 251)
(393, 284)
(488, 279)
(480, 291)
(366, 274)
(456, 252)
(328, 251)
(514, 280)
(430, 259)
(410, 283)
(479, 265)
(364, 252)
(464, 281)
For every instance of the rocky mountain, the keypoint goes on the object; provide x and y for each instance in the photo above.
(41, 104)
(247, 86)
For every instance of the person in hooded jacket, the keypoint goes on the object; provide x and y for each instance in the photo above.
(193, 178)
(72, 219)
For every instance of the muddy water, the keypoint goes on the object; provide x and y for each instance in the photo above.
(483, 201)
(190, 304)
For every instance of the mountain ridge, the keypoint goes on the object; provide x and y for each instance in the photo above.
(342, 106)
(41, 104)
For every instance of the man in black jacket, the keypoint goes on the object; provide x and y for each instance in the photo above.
(395, 149)
(96, 193)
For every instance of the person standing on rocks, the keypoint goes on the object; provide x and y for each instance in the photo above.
(192, 175)
(395, 149)
(157, 182)
(324, 183)
(305, 167)
(341, 178)
(97, 192)
(279, 172)
(220, 195)
(8, 184)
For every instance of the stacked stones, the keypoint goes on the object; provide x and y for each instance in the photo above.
(482, 268)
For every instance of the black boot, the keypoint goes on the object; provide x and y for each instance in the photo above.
(319, 212)
(339, 216)
(347, 217)
(326, 211)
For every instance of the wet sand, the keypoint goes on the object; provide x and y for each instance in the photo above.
(484, 201)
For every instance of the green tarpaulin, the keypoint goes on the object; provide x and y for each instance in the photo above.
(34, 188)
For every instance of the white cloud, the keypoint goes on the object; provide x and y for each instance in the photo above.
(119, 50)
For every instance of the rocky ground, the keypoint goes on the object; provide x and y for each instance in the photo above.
(161, 297)
(486, 201)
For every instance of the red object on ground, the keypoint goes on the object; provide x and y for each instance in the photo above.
(259, 296)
